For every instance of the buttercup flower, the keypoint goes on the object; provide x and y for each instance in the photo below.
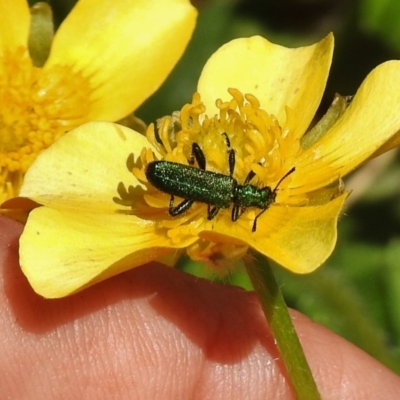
(103, 214)
(105, 60)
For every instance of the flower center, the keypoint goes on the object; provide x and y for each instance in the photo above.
(212, 176)
(242, 142)
(37, 106)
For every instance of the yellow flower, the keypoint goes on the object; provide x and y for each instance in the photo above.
(101, 216)
(105, 60)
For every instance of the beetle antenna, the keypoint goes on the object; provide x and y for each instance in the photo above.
(273, 196)
(283, 178)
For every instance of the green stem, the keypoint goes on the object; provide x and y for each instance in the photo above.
(277, 315)
(339, 299)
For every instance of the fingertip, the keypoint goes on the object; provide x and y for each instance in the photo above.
(342, 370)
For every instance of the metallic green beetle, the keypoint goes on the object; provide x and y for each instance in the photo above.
(212, 188)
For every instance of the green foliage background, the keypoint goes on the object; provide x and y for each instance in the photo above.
(357, 292)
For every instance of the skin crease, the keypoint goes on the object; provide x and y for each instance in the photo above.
(155, 332)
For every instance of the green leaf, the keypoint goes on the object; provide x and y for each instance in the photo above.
(381, 17)
(391, 275)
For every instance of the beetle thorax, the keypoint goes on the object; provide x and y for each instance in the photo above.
(253, 196)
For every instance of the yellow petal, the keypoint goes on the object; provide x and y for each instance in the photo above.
(301, 238)
(82, 170)
(14, 24)
(393, 142)
(126, 47)
(62, 252)
(298, 238)
(371, 120)
(276, 75)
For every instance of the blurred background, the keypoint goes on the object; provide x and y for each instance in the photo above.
(357, 292)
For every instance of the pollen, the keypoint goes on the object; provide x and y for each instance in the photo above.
(37, 106)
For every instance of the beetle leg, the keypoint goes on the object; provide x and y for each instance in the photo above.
(256, 218)
(237, 212)
(231, 155)
(197, 153)
(228, 142)
(212, 212)
(180, 208)
(249, 177)
(231, 161)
